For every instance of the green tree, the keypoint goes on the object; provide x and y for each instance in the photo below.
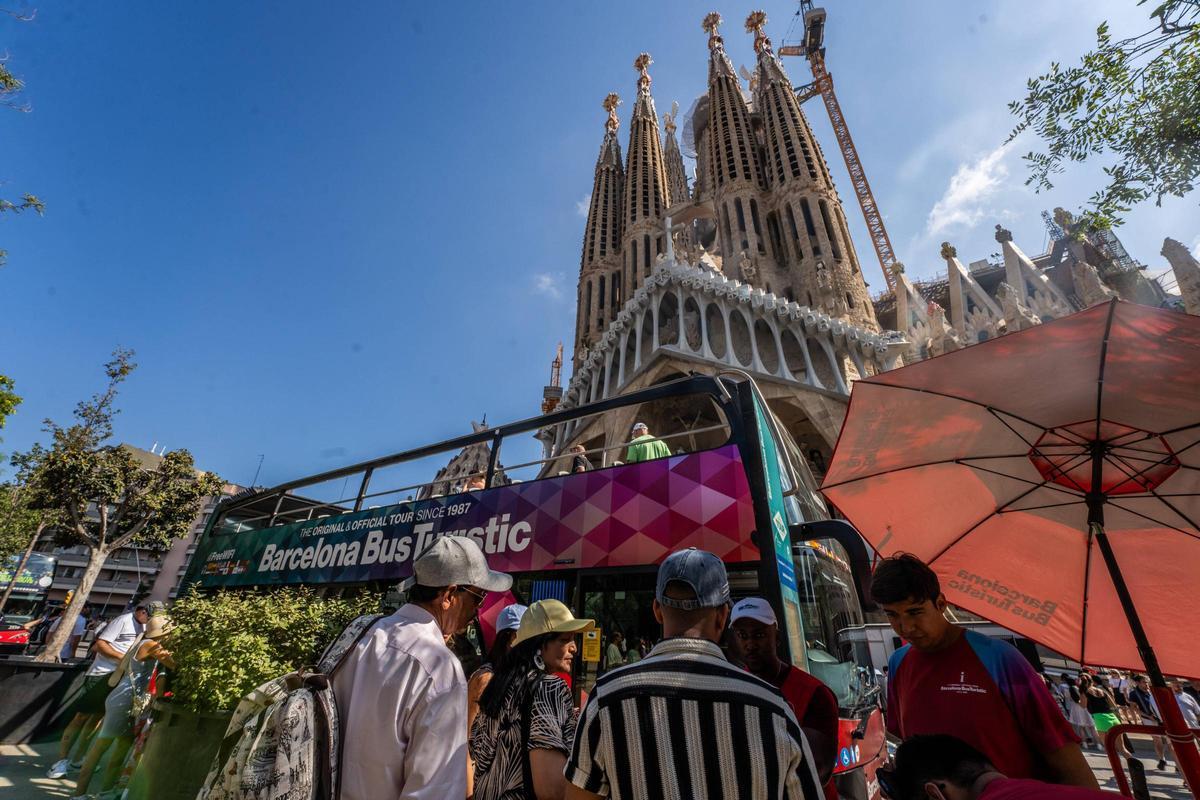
(10, 97)
(105, 496)
(1136, 100)
(8, 399)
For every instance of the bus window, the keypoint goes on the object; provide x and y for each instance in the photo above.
(829, 606)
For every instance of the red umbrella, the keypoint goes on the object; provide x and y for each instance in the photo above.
(1051, 477)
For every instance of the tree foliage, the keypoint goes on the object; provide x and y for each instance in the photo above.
(1136, 100)
(227, 643)
(11, 88)
(18, 522)
(104, 496)
(9, 400)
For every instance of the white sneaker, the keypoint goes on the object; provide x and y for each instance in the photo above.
(59, 769)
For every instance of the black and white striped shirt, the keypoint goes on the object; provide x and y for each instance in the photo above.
(685, 723)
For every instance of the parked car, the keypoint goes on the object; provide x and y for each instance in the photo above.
(13, 636)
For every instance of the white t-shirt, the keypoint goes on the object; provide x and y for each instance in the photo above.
(120, 633)
(68, 650)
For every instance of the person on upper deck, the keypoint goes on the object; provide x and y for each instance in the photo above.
(948, 680)
(644, 446)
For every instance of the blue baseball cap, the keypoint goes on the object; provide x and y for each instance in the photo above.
(510, 618)
(699, 569)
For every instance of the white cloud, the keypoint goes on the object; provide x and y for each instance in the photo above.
(549, 284)
(965, 201)
(582, 205)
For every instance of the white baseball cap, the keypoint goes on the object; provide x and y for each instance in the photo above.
(754, 608)
(456, 561)
(509, 618)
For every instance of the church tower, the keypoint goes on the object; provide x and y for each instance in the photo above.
(600, 264)
(734, 174)
(647, 197)
(805, 220)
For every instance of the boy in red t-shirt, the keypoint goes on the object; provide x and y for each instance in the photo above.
(947, 680)
(943, 767)
(755, 639)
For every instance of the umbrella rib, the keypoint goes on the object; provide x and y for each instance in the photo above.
(1171, 506)
(1061, 471)
(972, 529)
(957, 460)
(1175, 528)
(1112, 312)
(967, 400)
(1180, 428)
(1035, 484)
(1004, 422)
(1039, 508)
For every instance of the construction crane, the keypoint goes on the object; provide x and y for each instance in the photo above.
(813, 48)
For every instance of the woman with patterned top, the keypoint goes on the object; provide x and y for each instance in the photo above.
(526, 722)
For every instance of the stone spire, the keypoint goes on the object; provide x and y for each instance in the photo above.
(600, 264)
(734, 173)
(804, 216)
(646, 194)
(677, 179)
(1187, 273)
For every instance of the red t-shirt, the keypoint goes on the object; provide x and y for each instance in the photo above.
(1016, 789)
(815, 707)
(1011, 718)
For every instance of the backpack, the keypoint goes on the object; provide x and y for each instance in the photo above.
(283, 740)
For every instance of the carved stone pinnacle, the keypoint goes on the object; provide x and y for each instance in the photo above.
(1003, 234)
(949, 251)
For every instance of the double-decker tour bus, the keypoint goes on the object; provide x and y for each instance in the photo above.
(735, 484)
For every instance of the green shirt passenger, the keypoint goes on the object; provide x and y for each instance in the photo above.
(645, 447)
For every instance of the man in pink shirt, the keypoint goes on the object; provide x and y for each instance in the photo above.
(942, 767)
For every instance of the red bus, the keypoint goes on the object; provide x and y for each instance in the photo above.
(735, 484)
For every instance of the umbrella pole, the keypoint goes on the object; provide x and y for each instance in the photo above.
(1182, 741)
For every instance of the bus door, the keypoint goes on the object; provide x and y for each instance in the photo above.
(621, 601)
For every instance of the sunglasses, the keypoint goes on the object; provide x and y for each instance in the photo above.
(479, 596)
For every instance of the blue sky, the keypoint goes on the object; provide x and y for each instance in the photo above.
(332, 232)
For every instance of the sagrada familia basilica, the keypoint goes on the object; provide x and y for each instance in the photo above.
(749, 265)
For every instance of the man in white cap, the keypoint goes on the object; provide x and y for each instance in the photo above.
(756, 641)
(644, 446)
(401, 692)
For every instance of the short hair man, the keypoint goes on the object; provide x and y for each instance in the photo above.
(111, 644)
(401, 692)
(644, 446)
(947, 768)
(683, 721)
(982, 690)
(756, 641)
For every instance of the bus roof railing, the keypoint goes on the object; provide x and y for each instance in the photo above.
(709, 385)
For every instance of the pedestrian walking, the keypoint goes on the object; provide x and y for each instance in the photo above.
(507, 622)
(72, 644)
(683, 722)
(132, 679)
(110, 647)
(527, 720)
(958, 682)
(756, 642)
(1148, 710)
(401, 692)
(613, 655)
(1100, 703)
(947, 768)
(644, 446)
(1078, 716)
(1187, 704)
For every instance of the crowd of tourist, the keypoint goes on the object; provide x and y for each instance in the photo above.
(682, 718)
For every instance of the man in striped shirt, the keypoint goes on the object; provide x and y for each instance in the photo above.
(683, 722)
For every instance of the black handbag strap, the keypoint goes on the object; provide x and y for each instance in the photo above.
(526, 724)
